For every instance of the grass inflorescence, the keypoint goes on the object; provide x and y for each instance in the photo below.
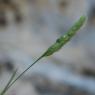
(60, 42)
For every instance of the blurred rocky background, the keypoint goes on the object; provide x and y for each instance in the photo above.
(28, 28)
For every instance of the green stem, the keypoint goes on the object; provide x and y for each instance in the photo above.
(24, 72)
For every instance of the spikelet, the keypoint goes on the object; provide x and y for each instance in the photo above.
(60, 42)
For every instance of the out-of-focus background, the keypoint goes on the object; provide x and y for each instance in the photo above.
(28, 28)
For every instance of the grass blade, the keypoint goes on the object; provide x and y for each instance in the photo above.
(6, 87)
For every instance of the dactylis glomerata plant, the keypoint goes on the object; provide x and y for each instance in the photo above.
(60, 42)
